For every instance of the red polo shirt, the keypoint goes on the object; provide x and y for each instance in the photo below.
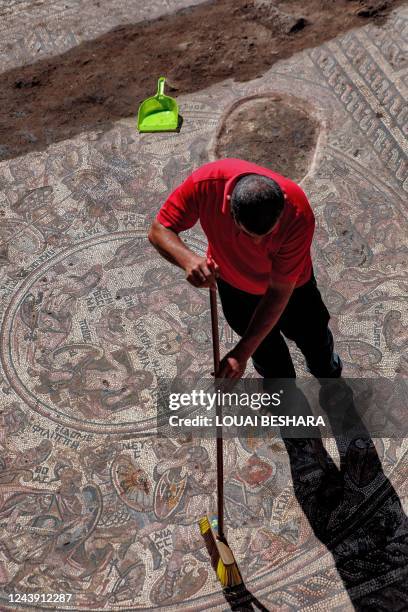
(283, 255)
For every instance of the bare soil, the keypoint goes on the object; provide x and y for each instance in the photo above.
(271, 133)
(105, 79)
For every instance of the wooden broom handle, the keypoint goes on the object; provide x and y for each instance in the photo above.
(214, 329)
(220, 462)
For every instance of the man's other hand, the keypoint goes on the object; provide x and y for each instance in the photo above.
(232, 366)
(201, 272)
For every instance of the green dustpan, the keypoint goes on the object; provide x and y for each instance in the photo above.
(159, 113)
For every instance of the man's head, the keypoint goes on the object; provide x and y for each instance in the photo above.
(256, 204)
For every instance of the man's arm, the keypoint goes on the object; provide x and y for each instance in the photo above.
(199, 272)
(265, 317)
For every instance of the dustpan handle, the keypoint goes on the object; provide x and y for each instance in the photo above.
(160, 86)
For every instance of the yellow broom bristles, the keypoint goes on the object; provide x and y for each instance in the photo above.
(204, 524)
(228, 575)
(221, 556)
(209, 540)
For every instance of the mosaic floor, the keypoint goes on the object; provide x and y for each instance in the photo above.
(91, 503)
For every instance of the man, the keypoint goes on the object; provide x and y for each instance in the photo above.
(259, 227)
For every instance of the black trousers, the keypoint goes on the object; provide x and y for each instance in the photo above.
(304, 320)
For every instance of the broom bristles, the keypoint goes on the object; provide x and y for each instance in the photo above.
(209, 540)
(221, 556)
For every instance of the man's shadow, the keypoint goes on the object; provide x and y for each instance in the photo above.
(241, 600)
(353, 510)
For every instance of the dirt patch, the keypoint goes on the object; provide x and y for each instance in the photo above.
(104, 80)
(271, 133)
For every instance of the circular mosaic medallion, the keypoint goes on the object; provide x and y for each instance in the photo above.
(90, 328)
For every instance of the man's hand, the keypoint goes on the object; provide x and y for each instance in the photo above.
(201, 272)
(232, 365)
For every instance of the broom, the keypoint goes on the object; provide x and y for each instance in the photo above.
(212, 529)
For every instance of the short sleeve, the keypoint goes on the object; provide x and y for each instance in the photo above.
(290, 260)
(180, 210)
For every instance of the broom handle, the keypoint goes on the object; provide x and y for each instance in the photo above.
(220, 462)
(214, 329)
